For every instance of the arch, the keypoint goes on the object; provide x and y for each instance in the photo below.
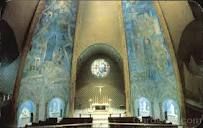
(56, 107)
(26, 113)
(191, 42)
(99, 48)
(87, 84)
(143, 107)
(190, 46)
(171, 111)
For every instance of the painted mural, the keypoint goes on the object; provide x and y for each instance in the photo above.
(47, 68)
(151, 70)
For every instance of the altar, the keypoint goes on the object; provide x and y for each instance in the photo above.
(100, 103)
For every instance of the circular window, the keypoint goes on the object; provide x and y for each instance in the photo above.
(100, 68)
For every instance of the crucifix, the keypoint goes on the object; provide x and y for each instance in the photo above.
(100, 89)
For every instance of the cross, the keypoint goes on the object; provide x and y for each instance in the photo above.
(100, 89)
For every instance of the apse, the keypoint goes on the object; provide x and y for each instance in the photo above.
(152, 72)
(99, 82)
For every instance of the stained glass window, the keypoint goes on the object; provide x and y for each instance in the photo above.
(100, 68)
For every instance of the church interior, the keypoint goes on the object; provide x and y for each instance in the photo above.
(101, 64)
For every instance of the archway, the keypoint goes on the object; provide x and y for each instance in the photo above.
(144, 108)
(99, 81)
(56, 108)
(171, 111)
(26, 113)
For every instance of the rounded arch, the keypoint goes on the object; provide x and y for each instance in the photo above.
(143, 106)
(171, 111)
(99, 48)
(191, 42)
(26, 113)
(87, 85)
(56, 107)
(190, 46)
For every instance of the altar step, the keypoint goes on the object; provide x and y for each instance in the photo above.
(100, 118)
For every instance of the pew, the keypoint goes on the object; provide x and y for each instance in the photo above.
(86, 121)
(73, 122)
(125, 120)
(51, 121)
(133, 122)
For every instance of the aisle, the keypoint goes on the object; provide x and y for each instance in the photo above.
(100, 118)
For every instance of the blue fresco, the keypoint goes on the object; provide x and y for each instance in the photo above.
(151, 69)
(48, 63)
(53, 37)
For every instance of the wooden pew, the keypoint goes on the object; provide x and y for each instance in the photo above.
(133, 122)
(86, 122)
(122, 120)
